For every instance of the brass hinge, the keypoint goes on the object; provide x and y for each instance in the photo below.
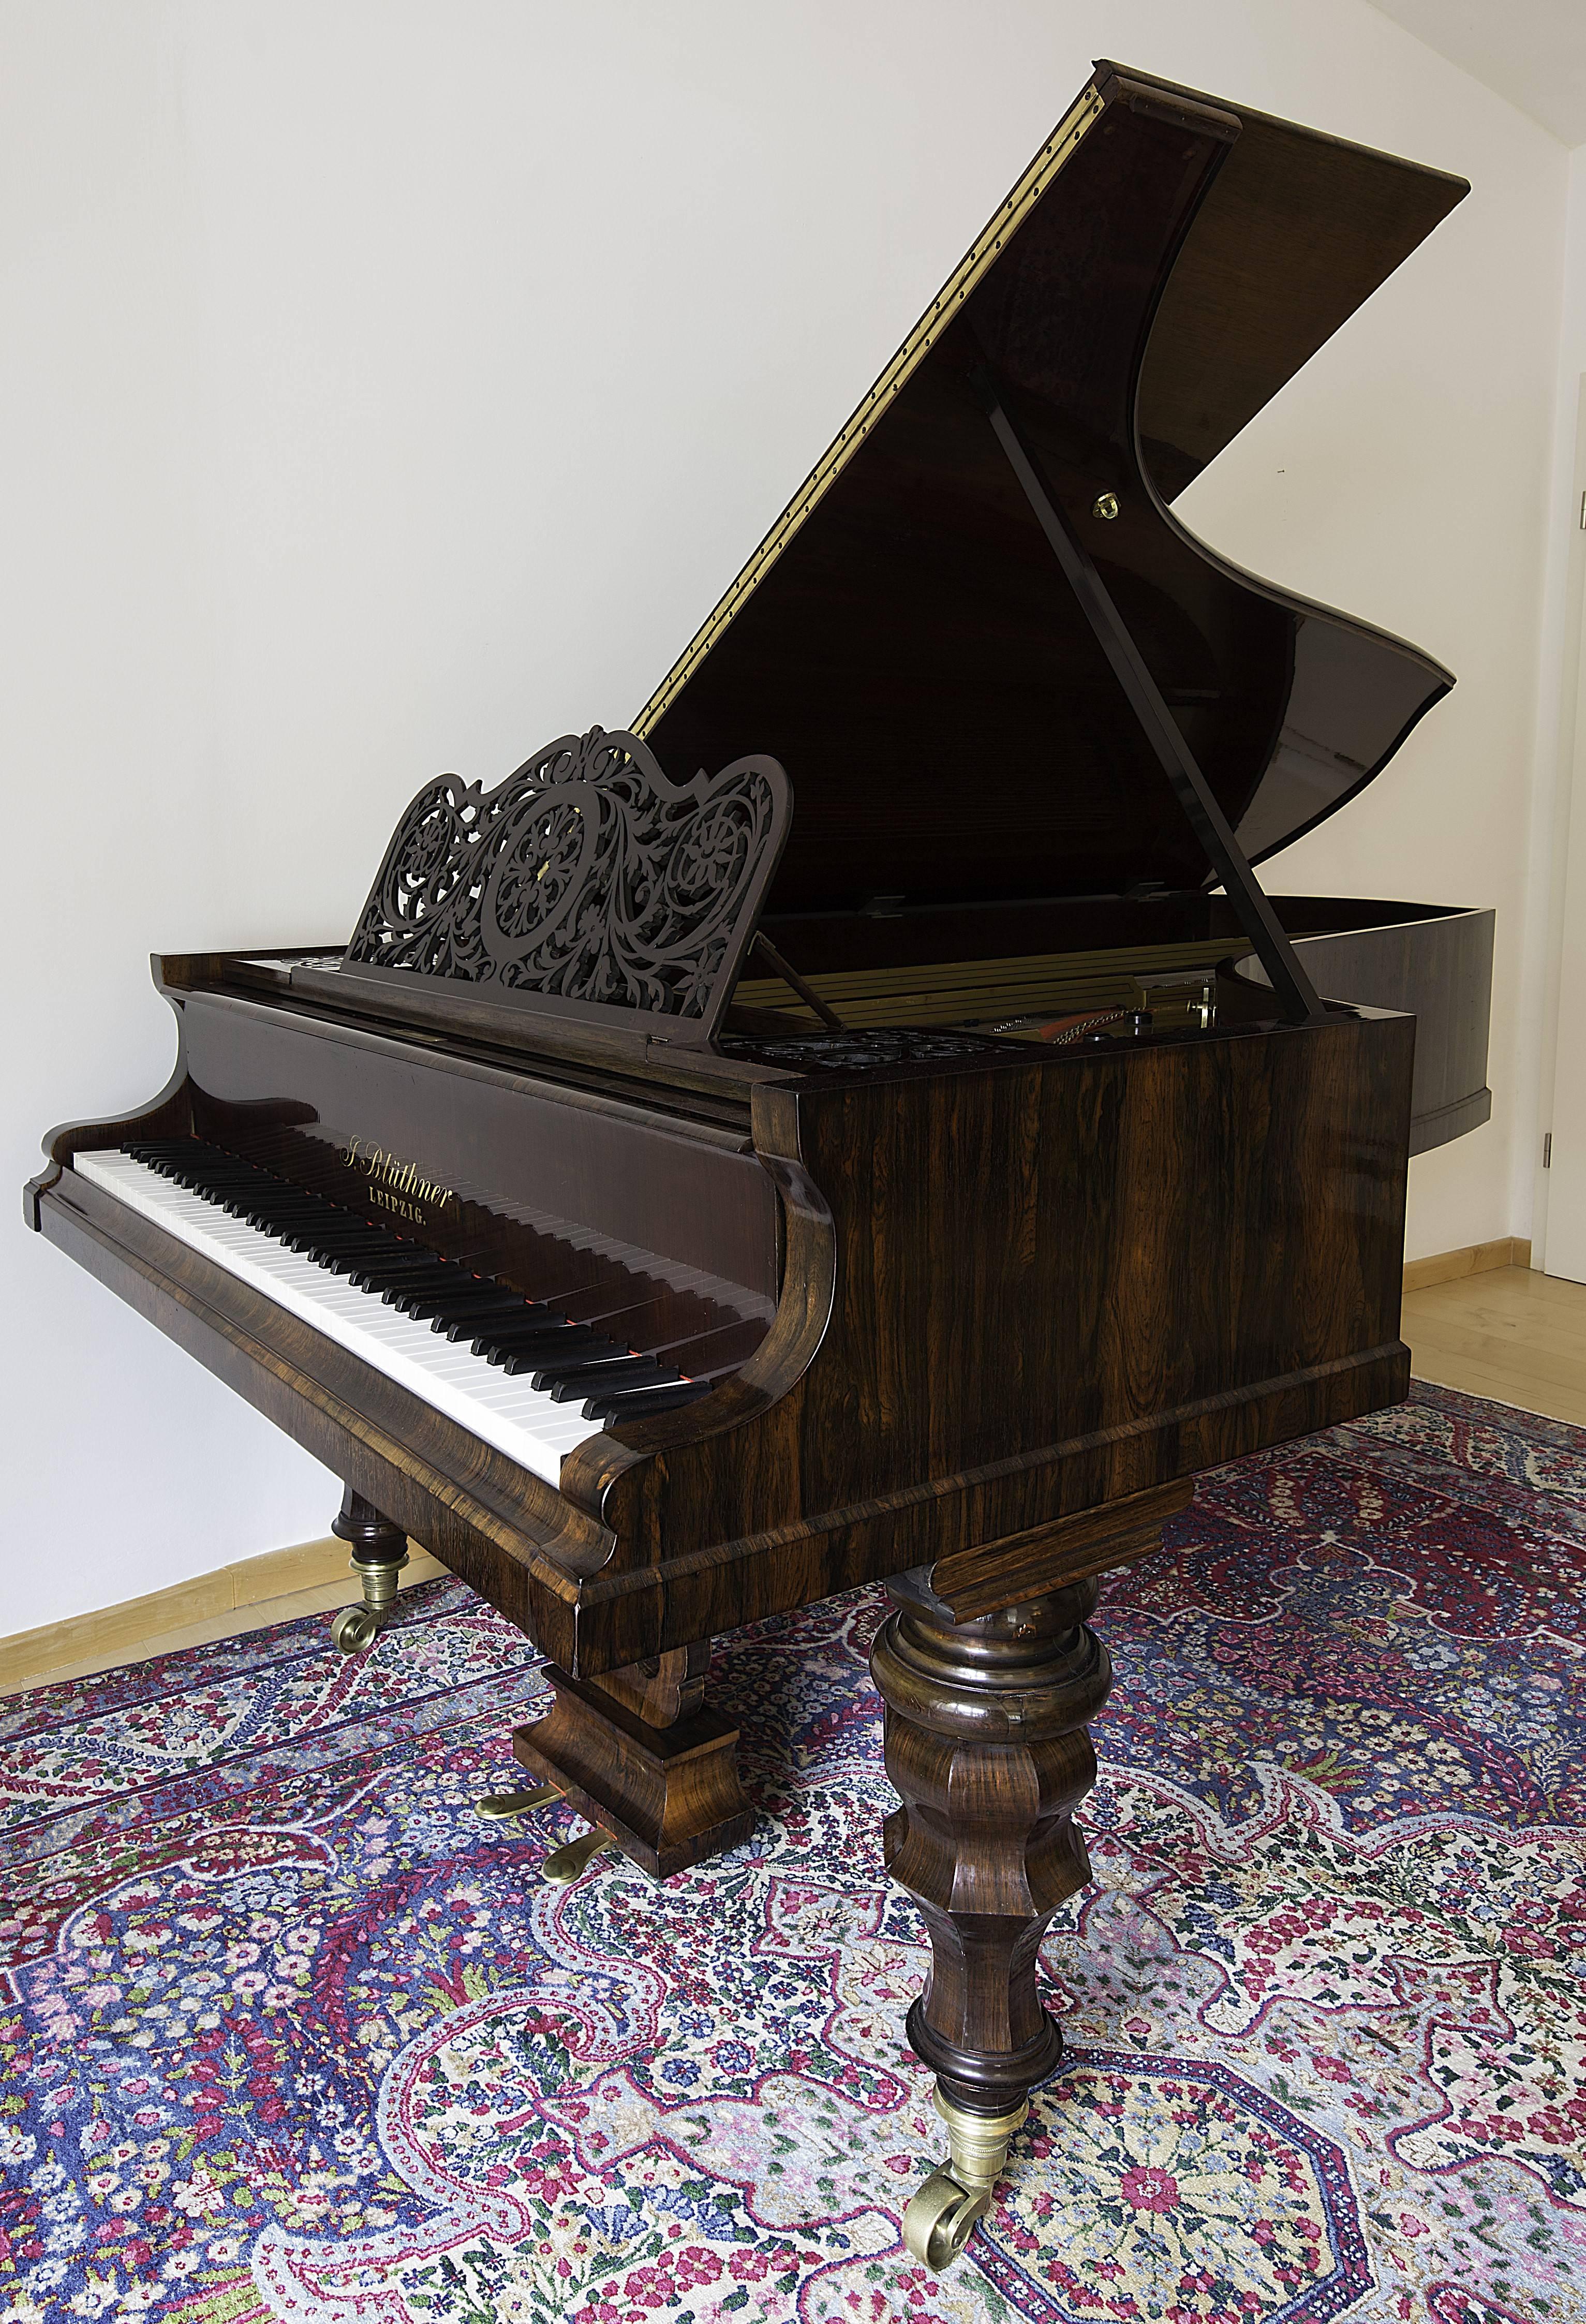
(1547, 1150)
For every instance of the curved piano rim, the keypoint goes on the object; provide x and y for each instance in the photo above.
(1435, 964)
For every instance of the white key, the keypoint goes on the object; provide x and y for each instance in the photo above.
(524, 1422)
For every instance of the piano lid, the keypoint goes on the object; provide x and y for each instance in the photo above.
(903, 641)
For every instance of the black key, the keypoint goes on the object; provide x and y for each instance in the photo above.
(504, 1335)
(503, 1314)
(386, 1254)
(556, 1351)
(244, 1175)
(279, 1223)
(380, 1274)
(420, 1300)
(476, 1308)
(572, 1385)
(442, 1304)
(643, 1401)
(337, 1245)
(414, 1256)
(407, 1302)
(273, 1219)
(442, 1275)
(528, 1351)
(423, 1306)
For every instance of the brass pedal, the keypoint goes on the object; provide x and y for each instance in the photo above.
(496, 1807)
(564, 1864)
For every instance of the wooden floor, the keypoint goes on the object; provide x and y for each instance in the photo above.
(189, 1615)
(1512, 1334)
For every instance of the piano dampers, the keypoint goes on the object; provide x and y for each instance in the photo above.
(587, 886)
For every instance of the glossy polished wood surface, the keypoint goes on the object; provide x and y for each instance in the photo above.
(350, 1110)
(975, 1312)
(640, 1753)
(987, 1748)
(913, 656)
(1296, 231)
(1009, 1294)
(1019, 1293)
(1438, 966)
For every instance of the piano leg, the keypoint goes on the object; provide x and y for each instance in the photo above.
(638, 1752)
(380, 1552)
(986, 1745)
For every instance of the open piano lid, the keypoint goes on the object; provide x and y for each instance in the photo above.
(904, 642)
(989, 658)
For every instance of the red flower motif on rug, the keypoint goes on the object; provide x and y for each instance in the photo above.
(1150, 2189)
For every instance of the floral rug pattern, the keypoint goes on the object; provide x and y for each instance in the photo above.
(287, 2032)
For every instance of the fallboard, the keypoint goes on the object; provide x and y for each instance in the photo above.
(557, 1192)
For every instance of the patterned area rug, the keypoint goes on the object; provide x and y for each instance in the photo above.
(287, 2032)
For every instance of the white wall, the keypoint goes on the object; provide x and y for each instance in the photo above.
(1560, 763)
(388, 387)
(1404, 475)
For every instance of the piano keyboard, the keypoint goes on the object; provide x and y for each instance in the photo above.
(514, 1372)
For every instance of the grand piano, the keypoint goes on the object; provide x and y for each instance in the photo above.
(865, 1119)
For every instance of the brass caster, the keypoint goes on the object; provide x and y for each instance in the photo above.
(566, 1863)
(354, 1629)
(941, 2219)
(498, 1805)
(978, 2144)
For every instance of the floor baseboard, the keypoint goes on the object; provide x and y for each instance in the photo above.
(1475, 1258)
(311, 1576)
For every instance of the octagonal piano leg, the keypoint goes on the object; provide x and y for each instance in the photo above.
(986, 1746)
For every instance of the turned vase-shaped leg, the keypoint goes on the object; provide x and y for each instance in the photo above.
(380, 1552)
(986, 1747)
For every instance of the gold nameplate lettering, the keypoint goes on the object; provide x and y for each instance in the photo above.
(397, 1185)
